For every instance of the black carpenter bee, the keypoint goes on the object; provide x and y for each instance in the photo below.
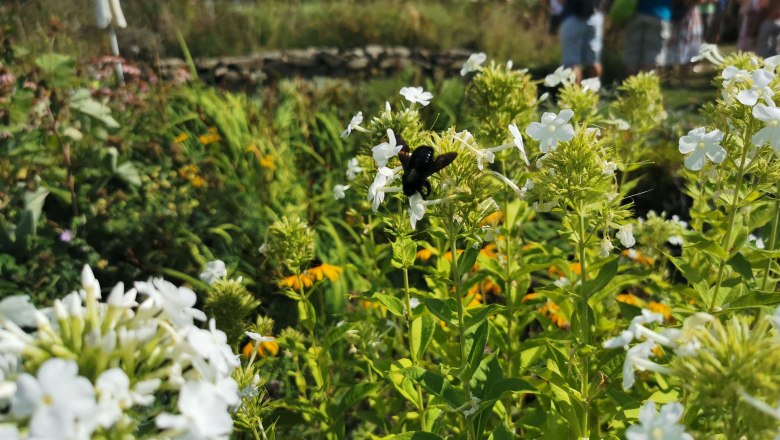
(419, 165)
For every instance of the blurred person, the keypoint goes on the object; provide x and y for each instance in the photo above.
(555, 9)
(769, 30)
(708, 12)
(750, 14)
(685, 38)
(582, 37)
(646, 35)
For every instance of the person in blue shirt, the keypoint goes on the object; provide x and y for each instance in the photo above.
(646, 34)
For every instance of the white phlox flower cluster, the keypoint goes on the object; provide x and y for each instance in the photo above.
(663, 425)
(683, 341)
(552, 129)
(116, 356)
(213, 272)
(561, 76)
(417, 95)
(702, 146)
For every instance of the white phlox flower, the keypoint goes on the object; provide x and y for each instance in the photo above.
(684, 340)
(483, 155)
(561, 76)
(177, 303)
(592, 84)
(353, 169)
(386, 150)
(608, 168)
(203, 413)
(340, 191)
(637, 330)
(626, 235)
(676, 240)
(770, 133)
(662, 425)
(120, 299)
(473, 64)
(638, 358)
(417, 207)
(759, 242)
(710, 53)
(517, 138)
(772, 62)
(551, 130)
(61, 403)
(417, 95)
(759, 90)
(211, 345)
(214, 271)
(257, 337)
(90, 287)
(354, 124)
(732, 77)
(19, 310)
(702, 145)
(620, 124)
(377, 190)
(606, 247)
(109, 12)
(113, 391)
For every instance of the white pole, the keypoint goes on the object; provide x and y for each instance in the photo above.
(115, 51)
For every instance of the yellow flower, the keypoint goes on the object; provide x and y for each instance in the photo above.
(198, 182)
(181, 138)
(292, 281)
(531, 296)
(662, 309)
(492, 219)
(552, 312)
(210, 137)
(267, 162)
(628, 298)
(553, 271)
(425, 254)
(324, 270)
(264, 348)
(490, 250)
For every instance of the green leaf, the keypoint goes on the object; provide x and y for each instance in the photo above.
(82, 102)
(467, 259)
(502, 432)
(404, 253)
(33, 201)
(709, 247)
(437, 385)
(351, 397)
(476, 315)
(393, 304)
(401, 382)
(475, 344)
(741, 266)
(129, 173)
(413, 435)
(446, 310)
(421, 334)
(753, 300)
(607, 272)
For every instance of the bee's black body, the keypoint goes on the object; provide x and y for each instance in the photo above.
(419, 165)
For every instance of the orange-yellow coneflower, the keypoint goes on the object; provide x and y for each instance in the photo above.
(551, 311)
(263, 348)
(661, 308)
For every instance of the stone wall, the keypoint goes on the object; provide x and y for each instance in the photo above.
(244, 72)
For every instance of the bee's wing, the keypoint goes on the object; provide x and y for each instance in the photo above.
(440, 162)
(405, 154)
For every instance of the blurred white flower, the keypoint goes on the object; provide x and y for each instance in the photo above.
(90, 286)
(606, 247)
(354, 124)
(759, 90)
(676, 240)
(386, 150)
(608, 168)
(9, 432)
(702, 145)
(637, 330)
(593, 84)
(340, 191)
(638, 357)
(113, 391)
(710, 53)
(377, 190)
(769, 134)
(517, 138)
(260, 338)
(474, 63)
(143, 392)
(212, 346)
(417, 94)
(416, 209)
(562, 75)
(17, 309)
(626, 235)
(758, 240)
(659, 426)
(61, 403)
(551, 130)
(214, 271)
(178, 303)
(203, 413)
(353, 169)
(120, 299)
(109, 12)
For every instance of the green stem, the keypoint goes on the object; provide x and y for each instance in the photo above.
(510, 319)
(727, 238)
(772, 236)
(415, 359)
(585, 324)
(461, 330)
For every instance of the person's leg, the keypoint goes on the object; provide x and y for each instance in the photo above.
(594, 42)
(571, 30)
(632, 45)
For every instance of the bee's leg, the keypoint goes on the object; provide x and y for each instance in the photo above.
(425, 190)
